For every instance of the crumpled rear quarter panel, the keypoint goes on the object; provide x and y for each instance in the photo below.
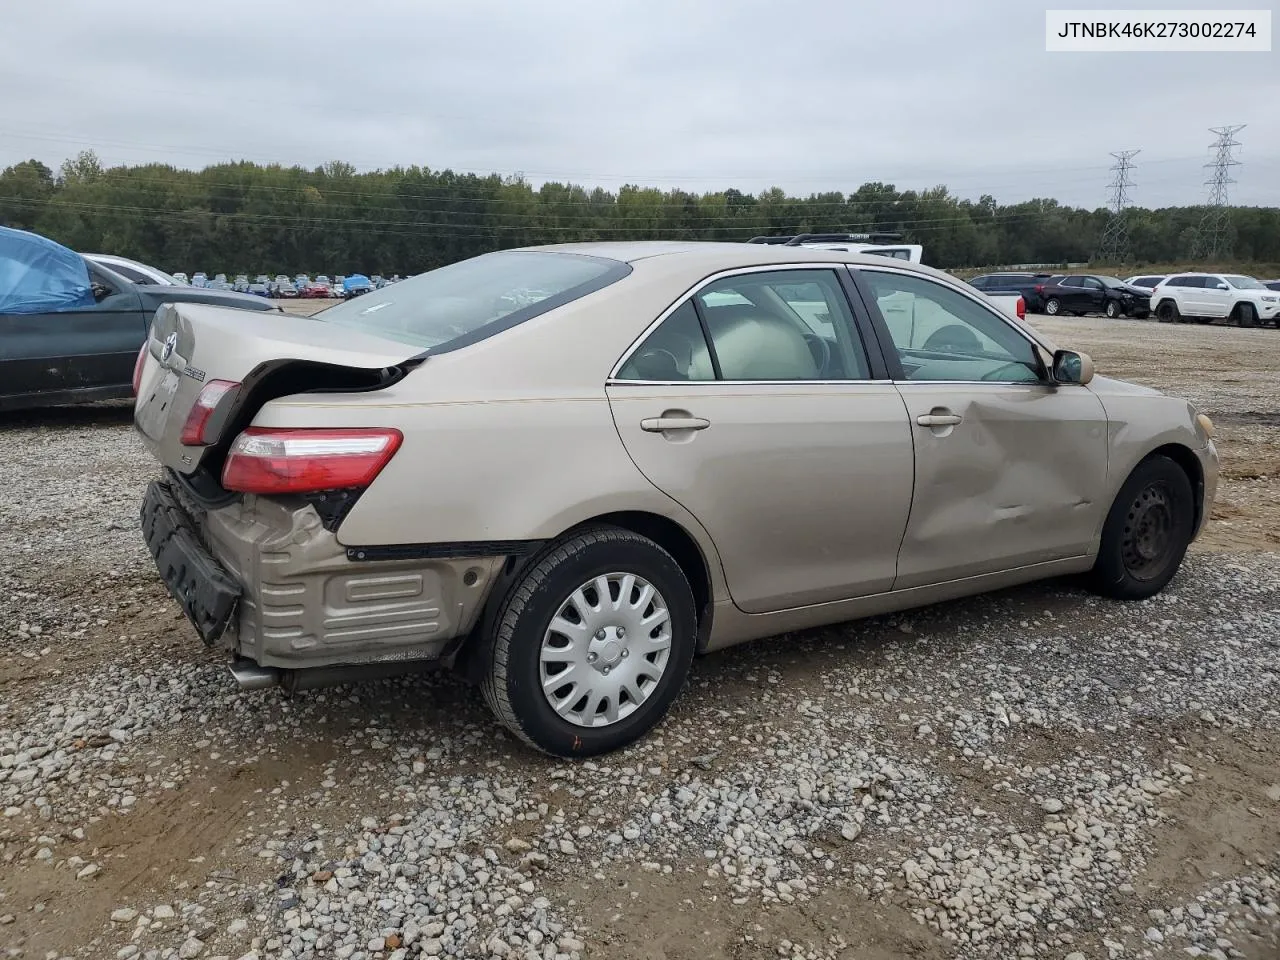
(306, 605)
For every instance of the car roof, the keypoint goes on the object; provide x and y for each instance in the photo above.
(720, 255)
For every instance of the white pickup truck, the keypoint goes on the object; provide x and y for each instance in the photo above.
(1010, 304)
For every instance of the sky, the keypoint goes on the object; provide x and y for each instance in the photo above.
(701, 94)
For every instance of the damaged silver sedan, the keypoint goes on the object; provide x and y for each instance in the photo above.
(565, 471)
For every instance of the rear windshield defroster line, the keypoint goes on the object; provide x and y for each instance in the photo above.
(465, 302)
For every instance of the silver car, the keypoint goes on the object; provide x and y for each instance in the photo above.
(566, 470)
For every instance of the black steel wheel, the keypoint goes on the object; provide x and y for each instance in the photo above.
(1147, 531)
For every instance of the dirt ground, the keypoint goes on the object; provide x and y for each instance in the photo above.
(216, 777)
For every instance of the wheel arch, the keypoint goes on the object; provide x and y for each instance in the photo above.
(682, 546)
(1185, 458)
(468, 655)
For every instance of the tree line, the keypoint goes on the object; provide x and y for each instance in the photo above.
(248, 218)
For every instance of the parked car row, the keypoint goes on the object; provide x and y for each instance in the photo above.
(1202, 297)
(303, 285)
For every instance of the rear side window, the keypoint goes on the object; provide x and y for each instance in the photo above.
(1187, 282)
(981, 283)
(466, 302)
(787, 325)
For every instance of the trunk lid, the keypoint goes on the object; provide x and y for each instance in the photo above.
(269, 355)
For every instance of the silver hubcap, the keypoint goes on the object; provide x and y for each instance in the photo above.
(605, 650)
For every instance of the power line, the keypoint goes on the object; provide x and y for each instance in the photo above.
(1114, 247)
(1213, 236)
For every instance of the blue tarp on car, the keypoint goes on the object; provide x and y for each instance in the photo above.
(357, 281)
(40, 276)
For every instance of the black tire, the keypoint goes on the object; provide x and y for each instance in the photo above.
(1167, 312)
(1053, 306)
(1113, 310)
(1246, 315)
(511, 682)
(1147, 531)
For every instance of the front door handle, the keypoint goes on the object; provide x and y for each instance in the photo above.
(938, 419)
(663, 424)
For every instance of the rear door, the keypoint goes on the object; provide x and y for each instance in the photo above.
(1010, 469)
(756, 404)
(1073, 294)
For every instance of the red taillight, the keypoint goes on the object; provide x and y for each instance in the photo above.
(304, 460)
(1022, 309)
(193, 431)
(1039, 288)
(138, 365)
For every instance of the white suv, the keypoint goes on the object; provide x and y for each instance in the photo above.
(1205, 297)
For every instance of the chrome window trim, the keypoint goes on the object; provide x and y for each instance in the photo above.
(831, 267)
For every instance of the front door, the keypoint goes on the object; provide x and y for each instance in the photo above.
(1010, 469)
(1217, 297)
(754, 404)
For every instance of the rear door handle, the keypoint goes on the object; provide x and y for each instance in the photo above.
(939, 419)
(663, 424)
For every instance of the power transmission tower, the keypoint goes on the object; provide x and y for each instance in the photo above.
(1114, 247)
(1213, 236)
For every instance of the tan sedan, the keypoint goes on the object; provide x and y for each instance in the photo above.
(566, 470)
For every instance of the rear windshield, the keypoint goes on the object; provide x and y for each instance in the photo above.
(465, 302)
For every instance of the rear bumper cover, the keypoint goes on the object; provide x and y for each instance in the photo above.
(301, 602)
(207, 593)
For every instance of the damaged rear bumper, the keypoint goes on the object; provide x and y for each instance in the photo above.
(299, 601)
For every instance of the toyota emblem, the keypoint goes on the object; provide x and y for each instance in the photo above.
(170, 344)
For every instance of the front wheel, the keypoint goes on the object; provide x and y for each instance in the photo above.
(1246, 315)
(1147, 531)
(592, 645)
(1053, 306)
(1113, 310)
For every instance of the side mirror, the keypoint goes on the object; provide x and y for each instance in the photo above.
(1072, 367)
(1221, 286)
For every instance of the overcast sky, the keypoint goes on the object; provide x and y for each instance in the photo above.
(699, 94)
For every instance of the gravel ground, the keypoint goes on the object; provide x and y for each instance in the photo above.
(1033, 773)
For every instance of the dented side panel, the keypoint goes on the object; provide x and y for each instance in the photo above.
(1021, 479)
(306, 605)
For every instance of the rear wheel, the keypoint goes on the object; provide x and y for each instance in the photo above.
(1167, 312)
(1053, 306)
(1147, 531)
(592, 645)
(1246, 315)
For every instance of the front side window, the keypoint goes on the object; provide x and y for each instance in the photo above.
(940, 334)
(1244, 283)
(472, 299)
(781, 325)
